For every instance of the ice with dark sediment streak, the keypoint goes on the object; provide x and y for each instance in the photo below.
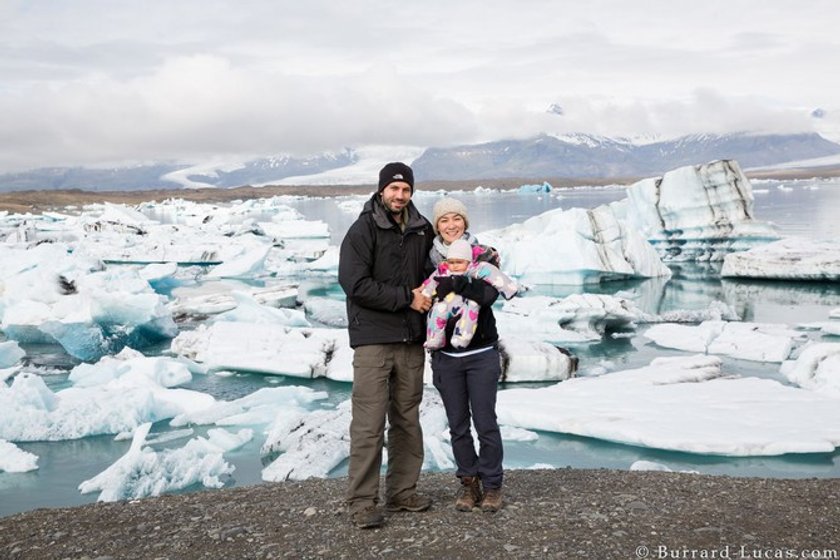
(696, 213)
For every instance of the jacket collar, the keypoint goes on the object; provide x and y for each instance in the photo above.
(382, 218)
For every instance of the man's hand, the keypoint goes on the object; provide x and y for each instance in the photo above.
(420, 302)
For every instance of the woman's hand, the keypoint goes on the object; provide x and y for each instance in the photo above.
(446, 284)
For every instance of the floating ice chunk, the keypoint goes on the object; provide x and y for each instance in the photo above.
(825, 327)
(164, 437)
(834, 314)
(681, 404)
(142, 472)
(209, 298)
(817, 368)
(13, 459)
(157, 272)
(327, 311)
(792, 258)
(696, 212)
(529, 360)
(543, 188)
(90, 314)
(574, 246)
(10, 353)
(758, 342)
(352, 206)
(29, 411)
(282, 229)
(652, 466)
(166, 372)
(511, 433)
(576, 318)
(649, 466)
(248, 264)
(248, 310)
(262, 348)
(250, 408)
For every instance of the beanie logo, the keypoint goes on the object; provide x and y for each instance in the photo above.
(398, 176)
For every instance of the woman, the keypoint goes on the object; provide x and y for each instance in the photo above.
(467, 377)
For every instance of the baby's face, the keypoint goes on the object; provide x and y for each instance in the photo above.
(457, 265)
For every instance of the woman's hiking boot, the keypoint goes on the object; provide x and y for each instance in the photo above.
(469, 495)
(492, 501)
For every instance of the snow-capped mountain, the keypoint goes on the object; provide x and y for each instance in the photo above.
(577, 155)
(585, 155)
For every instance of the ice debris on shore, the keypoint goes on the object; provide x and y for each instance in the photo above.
(143, 472)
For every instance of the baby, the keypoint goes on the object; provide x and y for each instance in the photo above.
(459, 262)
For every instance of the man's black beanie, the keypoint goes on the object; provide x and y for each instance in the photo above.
(396, 171)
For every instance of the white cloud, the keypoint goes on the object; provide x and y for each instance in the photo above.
(97, 81)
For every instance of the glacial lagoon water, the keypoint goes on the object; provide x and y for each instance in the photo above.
(802, 208)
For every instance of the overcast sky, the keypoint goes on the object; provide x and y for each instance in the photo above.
(115, 82)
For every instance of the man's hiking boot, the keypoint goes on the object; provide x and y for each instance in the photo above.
(415, 502)
(368, 518)
(492, 501)
(469, 495)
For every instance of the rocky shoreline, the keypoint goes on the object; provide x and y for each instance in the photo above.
(562, 513)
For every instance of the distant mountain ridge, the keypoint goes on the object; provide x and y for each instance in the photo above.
(577, 155)
(584, 155)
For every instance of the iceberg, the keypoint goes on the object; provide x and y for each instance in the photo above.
(30, 411)
(574, 246)
(696, 212)
(260, 407)
(817, 368)
(13, 459)
(793, 258)
(52, 296)
(143, 472)
(685, 404)
(10, 354)
(525, 360)
(574, 319)
(261, 348)
(758, 342)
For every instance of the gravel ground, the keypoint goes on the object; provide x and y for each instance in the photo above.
(566, 513)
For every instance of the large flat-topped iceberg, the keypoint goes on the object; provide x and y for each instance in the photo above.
(697, 212)
(574, 246)
(681, 404)
(793, 258)
(759, 342)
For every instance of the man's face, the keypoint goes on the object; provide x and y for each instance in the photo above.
(396, 196)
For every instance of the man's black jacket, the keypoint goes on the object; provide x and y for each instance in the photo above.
(379, 264)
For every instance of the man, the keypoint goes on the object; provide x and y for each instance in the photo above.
(383, 260)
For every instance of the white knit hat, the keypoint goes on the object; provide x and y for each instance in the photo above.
(449, 205)
(460, 249)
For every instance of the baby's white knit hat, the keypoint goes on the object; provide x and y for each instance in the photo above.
(460, 249)
(448, 205)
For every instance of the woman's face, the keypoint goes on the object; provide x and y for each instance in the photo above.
(451, 227)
